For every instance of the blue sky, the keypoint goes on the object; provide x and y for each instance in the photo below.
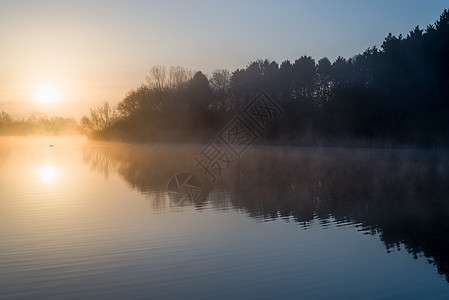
(97, 50)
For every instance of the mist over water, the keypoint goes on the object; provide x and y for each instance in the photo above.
(258, 172)
(83, 220)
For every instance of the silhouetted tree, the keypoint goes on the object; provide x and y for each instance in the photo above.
(198, 92)
(99, 119)
(178, 77)
(220, 82)
(324, 87)
(304, 78)
(157, 78)
(397, 93)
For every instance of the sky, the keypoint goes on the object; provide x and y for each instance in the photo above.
(64, 57)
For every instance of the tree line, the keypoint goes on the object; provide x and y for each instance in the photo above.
(43, 125)
(398, 93)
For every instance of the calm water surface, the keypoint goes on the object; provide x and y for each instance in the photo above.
(95, 220)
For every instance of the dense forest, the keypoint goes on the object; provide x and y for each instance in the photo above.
(397, 94)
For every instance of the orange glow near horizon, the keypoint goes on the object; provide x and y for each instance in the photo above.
(75, 56)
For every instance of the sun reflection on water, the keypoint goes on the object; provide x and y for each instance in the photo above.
(48, 173)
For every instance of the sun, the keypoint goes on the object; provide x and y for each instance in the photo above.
(47, 93)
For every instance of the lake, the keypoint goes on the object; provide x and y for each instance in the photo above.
(82, 219)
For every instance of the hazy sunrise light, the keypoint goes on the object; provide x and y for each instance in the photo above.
(238, 149)
(47, 93)
(47, 173)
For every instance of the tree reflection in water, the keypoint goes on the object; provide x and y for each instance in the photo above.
(399, 194)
